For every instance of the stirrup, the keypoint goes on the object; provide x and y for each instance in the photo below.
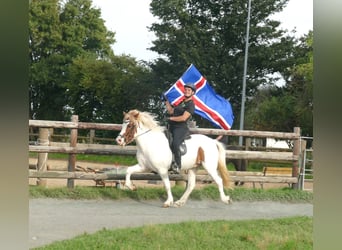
(175, 168)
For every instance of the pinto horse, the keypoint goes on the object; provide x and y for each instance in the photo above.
(154, 155)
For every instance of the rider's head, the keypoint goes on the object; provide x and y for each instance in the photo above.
(189, 89)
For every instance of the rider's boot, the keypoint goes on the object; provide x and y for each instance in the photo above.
(176, 165)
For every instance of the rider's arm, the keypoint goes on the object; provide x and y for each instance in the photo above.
(169, 107)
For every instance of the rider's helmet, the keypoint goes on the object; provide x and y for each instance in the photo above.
(191, 86)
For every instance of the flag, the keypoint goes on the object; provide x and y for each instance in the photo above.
(208, 104)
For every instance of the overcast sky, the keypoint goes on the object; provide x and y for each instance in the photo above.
(129, 19)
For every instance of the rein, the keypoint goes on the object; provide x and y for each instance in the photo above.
(142, 133)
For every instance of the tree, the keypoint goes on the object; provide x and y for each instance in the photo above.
(271, 110)
(211, 34)
(59, 33)
(300, 85)
(283, 108)
(105, 89)
(44, 37)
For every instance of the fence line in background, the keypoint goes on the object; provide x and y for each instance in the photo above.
(73, 148)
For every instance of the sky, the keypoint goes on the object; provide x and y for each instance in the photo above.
(129, 20)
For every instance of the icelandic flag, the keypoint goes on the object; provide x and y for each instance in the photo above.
(208, 104)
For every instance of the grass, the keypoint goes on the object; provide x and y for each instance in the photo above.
(285, 233)
(207, 192)
(125, 160)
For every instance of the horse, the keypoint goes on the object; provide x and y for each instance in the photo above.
(154, 155)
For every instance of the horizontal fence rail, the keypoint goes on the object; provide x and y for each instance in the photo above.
(131, 150)
(205, 131)
(146, 176)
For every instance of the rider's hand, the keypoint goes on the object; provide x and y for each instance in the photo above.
(163, 97)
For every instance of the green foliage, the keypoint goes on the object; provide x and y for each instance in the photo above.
(104, 89)
(283, 108)
(285, 233)
(276, 194)
(274, 113)
(125, 160)
(58, 33)
(258, 166)
(73, 69)
(301, 86)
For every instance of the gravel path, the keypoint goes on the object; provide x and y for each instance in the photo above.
(54, 219)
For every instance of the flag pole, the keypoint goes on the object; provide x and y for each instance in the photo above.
(242, 116)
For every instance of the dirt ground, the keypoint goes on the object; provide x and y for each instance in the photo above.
(60, 165)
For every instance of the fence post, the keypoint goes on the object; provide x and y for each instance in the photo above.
(43, 140)
(72, 157)
(301, 178)
(91, 136)
(296, 152)
(248, 143)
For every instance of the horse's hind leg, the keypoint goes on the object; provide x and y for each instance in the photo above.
(190, 186)
(213, 173)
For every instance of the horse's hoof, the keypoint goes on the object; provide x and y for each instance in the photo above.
(178, 204)
(167, 204)
(132, 188)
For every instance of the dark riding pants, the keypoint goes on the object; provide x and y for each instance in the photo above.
(178, 136)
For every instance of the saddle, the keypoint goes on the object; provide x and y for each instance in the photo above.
(182, 147)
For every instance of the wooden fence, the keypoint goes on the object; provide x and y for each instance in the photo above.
(44, 146)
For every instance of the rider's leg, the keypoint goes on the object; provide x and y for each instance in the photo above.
(176, 166)
(178, 137)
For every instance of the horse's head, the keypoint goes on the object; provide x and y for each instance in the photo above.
(129, 128)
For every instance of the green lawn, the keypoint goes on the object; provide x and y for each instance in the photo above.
(288, 233)
(208, 192)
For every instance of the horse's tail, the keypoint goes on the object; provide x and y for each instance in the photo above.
(222, 168)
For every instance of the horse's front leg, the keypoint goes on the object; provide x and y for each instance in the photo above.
(167, 185)
(130, 170)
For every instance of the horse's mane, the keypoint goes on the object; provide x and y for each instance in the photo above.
(147, 119)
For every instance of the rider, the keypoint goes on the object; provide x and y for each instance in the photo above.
(180, 114)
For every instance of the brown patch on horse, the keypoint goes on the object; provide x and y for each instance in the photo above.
(131, 126)
(130, 132)
(200, 156)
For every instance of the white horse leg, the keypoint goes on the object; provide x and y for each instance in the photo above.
(130, 170)
(167, 185)
(213, 173)
(190, 186)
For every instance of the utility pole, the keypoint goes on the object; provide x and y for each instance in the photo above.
(242, 116)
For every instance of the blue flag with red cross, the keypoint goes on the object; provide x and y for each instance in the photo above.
(208, 104)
